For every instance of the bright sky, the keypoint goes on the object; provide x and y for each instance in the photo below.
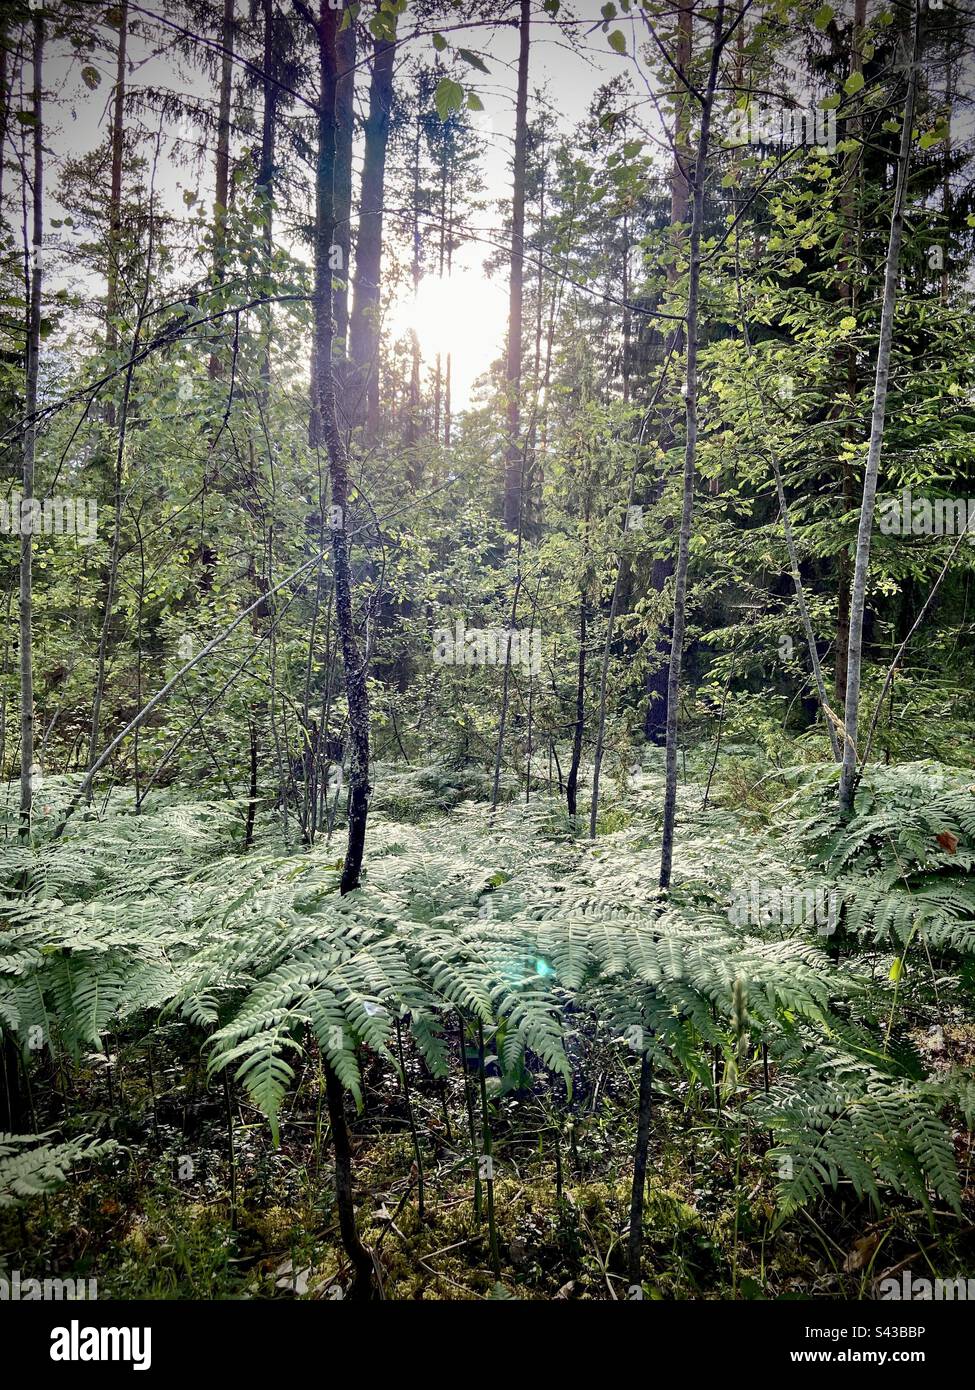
(466, 317)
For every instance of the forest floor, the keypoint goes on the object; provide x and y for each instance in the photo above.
(198, 1201)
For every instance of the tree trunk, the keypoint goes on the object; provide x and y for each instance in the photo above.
(655, 723)
(30, 440)
(862, 564)
(698, 181)
(514, 455)
(4, 103)
(325, 432)
(344, 131)
(265, 173)
(115, 192)
(364, 322)
(344, 1195)
(850, 213)
(638, 1190)
(572, 784)
(222, 169)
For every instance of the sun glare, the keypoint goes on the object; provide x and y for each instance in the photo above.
(465, 316)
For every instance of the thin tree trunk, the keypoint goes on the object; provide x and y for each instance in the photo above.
(572, 783)
(114, 556)
(30, 440)
(360, 1257)
(862, 565)
(115, 191)
(345, 45)
(222, 168)
(698, 181)
(265, 173)
(638, 1191)
(850, 214)
(514, 455)
(325, 433)
(655, 723)
(5, 66)
(364, 322)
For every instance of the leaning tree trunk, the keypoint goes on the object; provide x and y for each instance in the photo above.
(862, 563)
(30, 443)
(514, 454)
(698, 181)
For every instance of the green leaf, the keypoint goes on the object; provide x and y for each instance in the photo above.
(823, 16)
(448, 98)
(617, 41)
(853, 83)
(439, 42)
(90, 76)
(474, 102)
(896, 969)
(473, 59)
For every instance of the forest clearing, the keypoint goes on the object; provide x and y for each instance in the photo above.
(486, 699)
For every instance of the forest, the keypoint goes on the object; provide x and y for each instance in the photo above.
(487, 778)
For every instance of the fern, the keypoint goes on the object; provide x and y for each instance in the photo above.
(30, 1166)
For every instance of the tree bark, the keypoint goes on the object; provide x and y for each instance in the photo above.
(638, 1190)
(572, 783)
(655, 723)
(265, 173)
(30, 439)
(364, 322)
(115, 192)
(850, 213)
(325, 433)
(862, 563)
(359, 1256)
(325, 430)
(514, 455)
(222, 167)
(345, 46)
(698, 182)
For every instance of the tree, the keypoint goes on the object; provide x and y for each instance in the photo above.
(861, 569)
(514, 454)
(364, 322)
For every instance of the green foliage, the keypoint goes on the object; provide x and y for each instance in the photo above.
(508, 921)
(31, 1166)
